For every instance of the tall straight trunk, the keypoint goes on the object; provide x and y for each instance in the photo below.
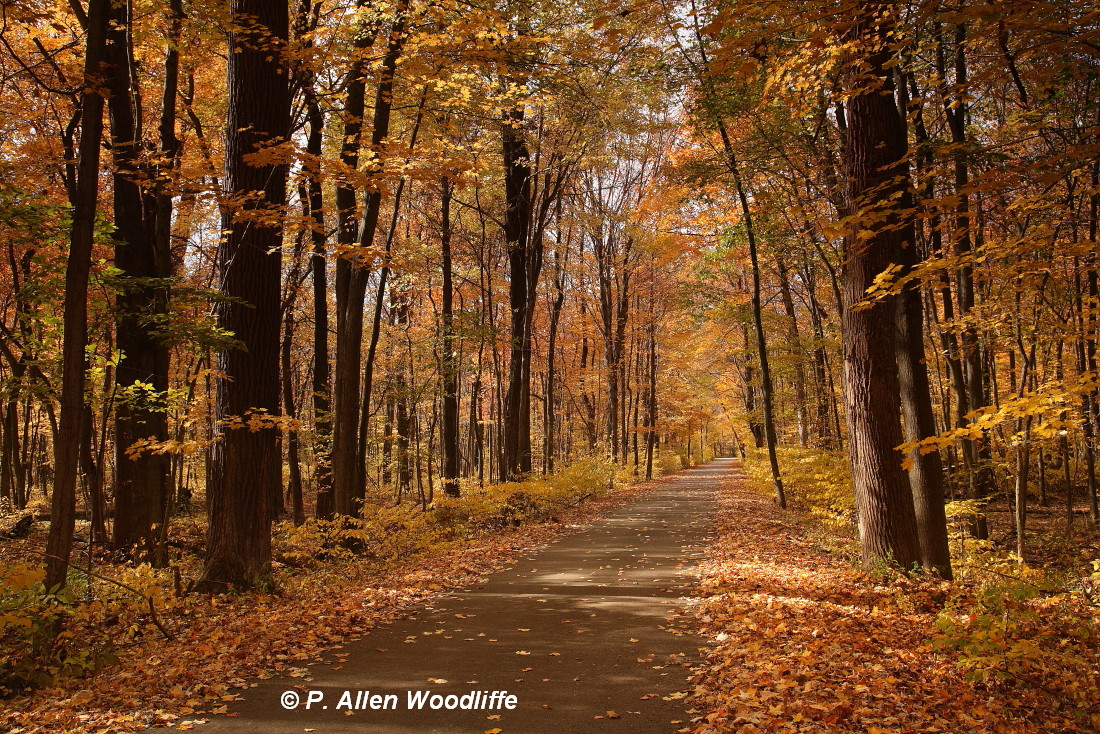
(1023, 449)
(403, 415)
(748, 380)
(956, 110)
(75, 320)
(1023, 460)
(449, 434)
(818, 362)
(17, 439)
(614, 302)
(757, 320)
(142, 219)
(586, 398)
(9, 456)
(315, 211)
(795, 347)
(92, 479)
(550, 415)
(349, 313)
(1090, 407)
(351, 279)
(516, 449)
(373, 201)
(926, 478)
(876, 168)
(949, 346)
(926, 468)
(246, 464)
(286, 370)
(651, 407)
(387, 438)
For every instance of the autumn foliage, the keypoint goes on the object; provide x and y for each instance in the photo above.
(298, 293)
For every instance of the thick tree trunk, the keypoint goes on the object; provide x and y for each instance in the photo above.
(245, 464)
(142, 220)
(876, 167)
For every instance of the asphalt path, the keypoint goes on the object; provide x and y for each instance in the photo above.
(580, 635)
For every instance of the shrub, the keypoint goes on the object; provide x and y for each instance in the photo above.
(818, 480)
(48, 635)
(481, 509)
(388, 533)
(1017, 627)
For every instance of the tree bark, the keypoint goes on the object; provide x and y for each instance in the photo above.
(795, 347)
(59, 541)
(142, 219)
(315, 211)
(449, 438)
(245, 467)
(516, 449)
(876, 167)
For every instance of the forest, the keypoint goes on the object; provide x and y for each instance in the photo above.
(296, 295)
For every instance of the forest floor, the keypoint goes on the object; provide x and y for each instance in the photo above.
(803, 641)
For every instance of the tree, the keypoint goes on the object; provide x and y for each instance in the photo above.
(876, 170)
(246, 472)
(82, 235)
(143, 223)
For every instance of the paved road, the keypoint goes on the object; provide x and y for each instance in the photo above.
(574, 630)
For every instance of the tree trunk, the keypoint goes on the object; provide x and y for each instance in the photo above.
(351, 278)
(795, 347)
(142, 219)
(290, 408)
(315, 211)
(449, 437)
(955, 109)
(876, 167)
(516, 451)
(246, 466)
(651, 407)
(757, 320)
(75, 320)
(926, 469)
(926, 477)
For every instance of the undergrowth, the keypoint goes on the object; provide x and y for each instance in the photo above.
(1009, 626)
